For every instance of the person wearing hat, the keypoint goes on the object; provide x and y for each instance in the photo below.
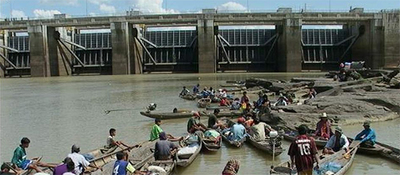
(156, 130)
(323, 129)
(79, 160)
(337, 142)
(193, 125)
(303, 152)
(367, 136)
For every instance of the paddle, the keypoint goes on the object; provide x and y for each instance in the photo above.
(108, 111)
(345, 155)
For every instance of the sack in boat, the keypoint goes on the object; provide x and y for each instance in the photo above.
(192, 139)
(211, 134)
(327, 168)
(156, 170)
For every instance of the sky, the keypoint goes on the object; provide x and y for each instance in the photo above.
(76, 8)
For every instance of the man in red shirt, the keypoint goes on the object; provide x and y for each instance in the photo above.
(303, 152)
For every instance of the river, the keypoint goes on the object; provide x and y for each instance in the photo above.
(57, 112)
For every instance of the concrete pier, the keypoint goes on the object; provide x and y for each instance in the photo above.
(39, 55)
(289, 45)
(207, 46)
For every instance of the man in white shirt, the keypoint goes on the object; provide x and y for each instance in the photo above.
(79, 161)
(337, 142)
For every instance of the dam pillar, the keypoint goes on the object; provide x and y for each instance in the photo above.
(206, 45)
(3, 51)
(39, 55)
(289, 45)
(122, 48)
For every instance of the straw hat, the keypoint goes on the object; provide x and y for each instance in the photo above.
(323, 115)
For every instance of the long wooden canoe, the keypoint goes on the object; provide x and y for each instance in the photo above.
(188, 97)
(382, 150)
(171, 115)
(338, 159)
(185, 160)
(264, 146)
(236, 143)
(290, 136)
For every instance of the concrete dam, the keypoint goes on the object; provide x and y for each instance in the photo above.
(205, 42)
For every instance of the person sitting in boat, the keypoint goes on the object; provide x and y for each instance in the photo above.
(282, 100)
(5, 170)
(235, 104)
(70, 165)
(156, 130)
(63, 168)
(367, 136)
(205, 93)
(193, 125)
(245, 98)
(184, 91)
(232, 167)
(111, 142)
(224, 102)
(237, 131)
(259, 130)
(164, 149)
(323, 127)
(19, 160)
(79, 160)
(122, 166)
(213, 122)
(312, 93)
(337, 142)
(196, 89)
(265, 108)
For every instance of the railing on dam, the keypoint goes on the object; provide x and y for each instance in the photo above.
(246, 49)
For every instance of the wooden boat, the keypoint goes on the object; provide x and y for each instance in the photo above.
(184, 159)
(168, 115)
(291, 135)
(210, 143)
(171, 115)
(382, 150)
(218, 107)
(188, 97)
(339, 159)
(204, 102)
(265, 146)
(236, 143)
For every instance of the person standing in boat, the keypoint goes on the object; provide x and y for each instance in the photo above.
(164, 149)
(79, 160)
(193, 125)
(111, 142)
(184, 91)
(337, 142)
(19, 160)
(122, 166)
(245, 98)
(323, 129)
(303, 152)
(367, 136)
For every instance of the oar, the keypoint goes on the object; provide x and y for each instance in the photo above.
(354, 147)
(108, 111)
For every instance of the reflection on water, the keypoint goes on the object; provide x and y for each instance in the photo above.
(58, 112)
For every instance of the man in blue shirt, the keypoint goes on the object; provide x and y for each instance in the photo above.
(238, 130)
(367, 136)
(122, 166)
